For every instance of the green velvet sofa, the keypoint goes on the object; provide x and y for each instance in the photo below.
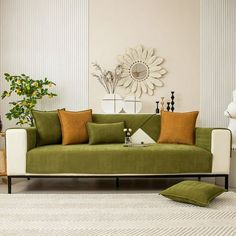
(209, 156)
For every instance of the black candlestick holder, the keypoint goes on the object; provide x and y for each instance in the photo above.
(172, 101)
(157, 109)
(168, 106)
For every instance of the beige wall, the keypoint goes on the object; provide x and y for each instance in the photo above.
(170, 26)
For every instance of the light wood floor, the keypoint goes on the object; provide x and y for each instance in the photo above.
(88, 185)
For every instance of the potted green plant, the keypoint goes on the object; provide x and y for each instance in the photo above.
(28, 92)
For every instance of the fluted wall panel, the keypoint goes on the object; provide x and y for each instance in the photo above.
(218, 60)
(47, 38)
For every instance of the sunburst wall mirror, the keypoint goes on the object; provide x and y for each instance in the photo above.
(142, 70)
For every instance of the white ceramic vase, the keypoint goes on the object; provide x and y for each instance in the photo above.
(132, 105)
(112, 103)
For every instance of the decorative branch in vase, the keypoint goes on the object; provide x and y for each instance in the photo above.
(128, 141)
(29, 91)
(107, 79)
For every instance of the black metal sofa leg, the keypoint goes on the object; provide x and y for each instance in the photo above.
(117, 182)
(9, 184)
(227, 182)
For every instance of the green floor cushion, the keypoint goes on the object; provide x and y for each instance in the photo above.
(193, 192)
(116, 159)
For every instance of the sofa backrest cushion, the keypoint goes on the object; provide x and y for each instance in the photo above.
(149, 123)
(178, 127)
(73, 126)
(48, 127)
(106, 133)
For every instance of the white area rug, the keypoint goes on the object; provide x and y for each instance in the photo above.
(114, 214)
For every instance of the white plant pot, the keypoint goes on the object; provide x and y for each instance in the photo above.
(112, 103)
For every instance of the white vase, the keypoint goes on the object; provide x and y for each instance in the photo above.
(132, 105)
(112, 103)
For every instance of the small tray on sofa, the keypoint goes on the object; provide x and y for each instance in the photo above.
(136, 145)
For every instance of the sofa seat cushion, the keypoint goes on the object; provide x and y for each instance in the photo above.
(116, 159)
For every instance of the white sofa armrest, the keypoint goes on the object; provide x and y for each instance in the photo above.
(17, 146)
(221, 150)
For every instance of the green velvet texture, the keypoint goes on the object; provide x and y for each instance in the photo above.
(150, 123)
(106, 133)
(31, 137)
(48, 127)
(193, 192)
(116, 159)
(152, 126)
(203, 137)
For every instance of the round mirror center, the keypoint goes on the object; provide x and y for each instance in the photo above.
(139, 71)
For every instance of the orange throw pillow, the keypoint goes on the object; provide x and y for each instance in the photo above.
(73, 126)
(178, 127)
